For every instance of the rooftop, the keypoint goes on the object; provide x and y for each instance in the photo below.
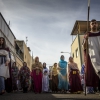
(80, 27)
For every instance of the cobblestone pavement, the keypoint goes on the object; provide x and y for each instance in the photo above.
(48, 96)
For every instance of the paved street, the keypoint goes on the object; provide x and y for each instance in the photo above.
(47, 96)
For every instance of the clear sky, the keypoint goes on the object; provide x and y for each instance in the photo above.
(47, 24)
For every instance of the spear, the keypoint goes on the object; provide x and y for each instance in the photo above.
(87, 43)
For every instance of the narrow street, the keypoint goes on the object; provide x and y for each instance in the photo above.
(50, 49)
(48, 96)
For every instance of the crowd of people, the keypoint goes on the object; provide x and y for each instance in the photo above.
(39, 78)
(62, 78)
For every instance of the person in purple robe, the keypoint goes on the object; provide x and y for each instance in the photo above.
(24, 76)
(15, 72)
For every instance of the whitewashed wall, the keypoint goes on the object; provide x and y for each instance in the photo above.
(6, 30)
(8, 35)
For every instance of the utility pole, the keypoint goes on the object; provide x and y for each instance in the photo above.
(87, 43)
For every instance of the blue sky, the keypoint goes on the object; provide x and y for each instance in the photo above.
(47, 24)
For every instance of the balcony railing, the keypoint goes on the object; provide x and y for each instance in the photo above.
(20, 56)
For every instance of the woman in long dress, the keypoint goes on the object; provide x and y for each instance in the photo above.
(62, 75)
(14, 71)
(37, 70)
(4, 65)
(54, 77)
(74, 77)
(24, 75)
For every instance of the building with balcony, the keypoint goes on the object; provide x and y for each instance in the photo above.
(24, 52)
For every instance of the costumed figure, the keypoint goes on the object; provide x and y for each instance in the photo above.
(62, 75)
(74, 77)
(4, 65)
(37, 70)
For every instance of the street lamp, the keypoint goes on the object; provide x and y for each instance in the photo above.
(66, 52)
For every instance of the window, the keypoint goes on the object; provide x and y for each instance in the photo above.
(76, 52)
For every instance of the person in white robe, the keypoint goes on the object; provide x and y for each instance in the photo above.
(4, 61)
(45, 79)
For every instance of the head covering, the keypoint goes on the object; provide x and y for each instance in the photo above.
(4, 43)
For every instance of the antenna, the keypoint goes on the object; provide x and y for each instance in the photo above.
(26, 40)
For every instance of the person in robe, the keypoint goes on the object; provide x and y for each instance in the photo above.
(89, 90)
(82, 81)
(37, 70)
(24, 76)
(15, 72)
(45, 79)
(50, 80)
(32, 82)
(4, 65)
(54, 77)
(92, 59)
(62, 75)
(74, 77)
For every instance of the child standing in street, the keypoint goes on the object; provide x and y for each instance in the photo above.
(45, 79)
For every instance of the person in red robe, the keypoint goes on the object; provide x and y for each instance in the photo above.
(37, 70)
(91, 77)
(74, 77)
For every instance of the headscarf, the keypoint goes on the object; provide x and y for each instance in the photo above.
(63, 66)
